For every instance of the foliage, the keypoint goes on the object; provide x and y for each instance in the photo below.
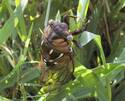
(99, 68)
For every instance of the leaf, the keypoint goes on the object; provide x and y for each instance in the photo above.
(14, 75)
(9, 26)
(5, 32)
(89, 81)
(72, 22)
(58, 16)
(17, 2)
(82, 11)
(26, 76)
(119, 5)
(23, 4)
(47, 12)
(117, 53)
(29, 75)
(102, 88)
(22, 27)
(8, 81)
(86, 37)
(121, 57)
(82, 8)
(4, 99)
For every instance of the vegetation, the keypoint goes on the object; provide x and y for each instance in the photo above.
(99, 63)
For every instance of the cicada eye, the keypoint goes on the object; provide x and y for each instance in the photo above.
(61, 27)
(70, 37)
(64, 26)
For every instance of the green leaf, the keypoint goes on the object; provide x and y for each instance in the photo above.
(10, 26)
(14, 76)
(86, 37)
(22, 26)
(7, 29)
(4, 99)
(102, 88)
(58, 16)
(23, 4)
(17, 2)
(47, 12)
(72, 22)
(119, 5)
(82, 8)
(29, 75)
(82, 11)
(89, 81)
(120, 58)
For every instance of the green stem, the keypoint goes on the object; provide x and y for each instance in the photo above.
(47, 13)
(102, 55)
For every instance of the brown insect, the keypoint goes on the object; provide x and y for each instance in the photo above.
(57, 53)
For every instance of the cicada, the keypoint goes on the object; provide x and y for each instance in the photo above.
(57, 60)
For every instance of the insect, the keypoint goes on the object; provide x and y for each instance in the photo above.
(57, 61)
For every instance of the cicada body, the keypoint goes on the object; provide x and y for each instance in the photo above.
(57, 54)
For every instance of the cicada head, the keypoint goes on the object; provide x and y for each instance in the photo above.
(56, 35)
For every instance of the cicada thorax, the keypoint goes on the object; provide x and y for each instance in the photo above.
(57, 54)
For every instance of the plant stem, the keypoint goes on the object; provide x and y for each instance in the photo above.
(47, 13)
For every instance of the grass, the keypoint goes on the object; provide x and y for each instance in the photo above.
(99, 65)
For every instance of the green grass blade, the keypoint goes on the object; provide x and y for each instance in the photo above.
(47, 13)
(10, 26)
(14, 76)
(82, 11)
(58, 16)
(4, 99)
